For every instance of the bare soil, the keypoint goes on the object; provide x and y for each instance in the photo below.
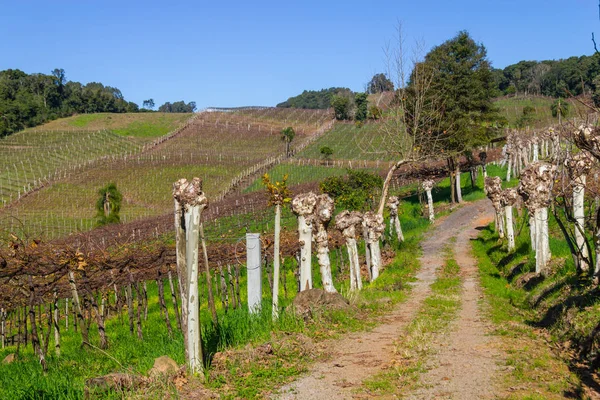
(363, 354)
(466, 358)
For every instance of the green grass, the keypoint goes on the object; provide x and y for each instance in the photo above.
(298, 174)
(532, 365)
(237, 334)
(350, 142)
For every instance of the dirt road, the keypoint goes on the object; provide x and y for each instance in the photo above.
(464, 364)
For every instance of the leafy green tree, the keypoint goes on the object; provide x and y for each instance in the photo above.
(464, 81)
(149, 104)
(527, 118)
(326, 152)
(356, 191)
(379, 83)
(178, 107)
(360, 99)
(313, 99)
(341, 107)
(287, 135)
(108, 205)
(464, 84)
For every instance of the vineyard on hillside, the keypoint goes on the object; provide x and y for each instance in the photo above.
(223, 148)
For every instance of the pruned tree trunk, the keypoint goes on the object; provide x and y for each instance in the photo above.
(347, 222)
(56, 326)
(579, 216)
(100, 323)
(192, 201)
(276, 260)
(174, 299)
(510, 234)
(77, 307)
(509, 169)
(393, 205)
(375, 226)
(457, 180)
(323, 214)
(163, 306)
(138, 296)
(35, 341)
(129, 298)
(303, 206)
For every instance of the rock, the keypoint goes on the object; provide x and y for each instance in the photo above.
(116, 381)
(309, 301)
(9, 359)
(164, 365)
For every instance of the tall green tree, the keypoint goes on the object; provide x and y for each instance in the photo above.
(464, 84)
(360, 99)
(287, 135)
(380, 83)
(341, 107)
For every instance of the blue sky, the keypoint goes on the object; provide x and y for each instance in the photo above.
(262, 52)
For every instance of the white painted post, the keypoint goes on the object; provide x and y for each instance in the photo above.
(254, 272)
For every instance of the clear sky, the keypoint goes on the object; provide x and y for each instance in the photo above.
(240, 53)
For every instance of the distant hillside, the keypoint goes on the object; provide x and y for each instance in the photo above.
(28, 100)
(313, 99)
(555, 78)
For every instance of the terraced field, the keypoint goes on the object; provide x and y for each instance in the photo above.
(350, 142)
(216, 146)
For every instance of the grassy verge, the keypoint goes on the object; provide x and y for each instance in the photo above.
(532, 369)
(414, 346)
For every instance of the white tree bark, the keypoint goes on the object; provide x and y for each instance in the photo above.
(305, 238)
(191, 200)
(579, 215)
(457, 181)
(374, 226)
(427, 186)
(510, 234)
(323, 214)
(347, 222)
(192, 234)
(542, 250)
(393, 205)
(303, 206)
(276, 260)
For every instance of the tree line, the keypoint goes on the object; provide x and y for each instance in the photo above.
(28, 100)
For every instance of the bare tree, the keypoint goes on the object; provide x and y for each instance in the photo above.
(410, 128)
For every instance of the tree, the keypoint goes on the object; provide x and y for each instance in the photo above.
(108, 205)
(326, 152)
(341, 107)
(149, 104)
(360, 99)
(279, 195)
(411, 127)
(287, 135)
(380, 83)
(464, 83)
(178, 107)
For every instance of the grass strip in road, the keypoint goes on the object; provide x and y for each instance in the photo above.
(413, 348)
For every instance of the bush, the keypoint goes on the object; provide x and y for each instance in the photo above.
(356, 191)
(326, 152)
